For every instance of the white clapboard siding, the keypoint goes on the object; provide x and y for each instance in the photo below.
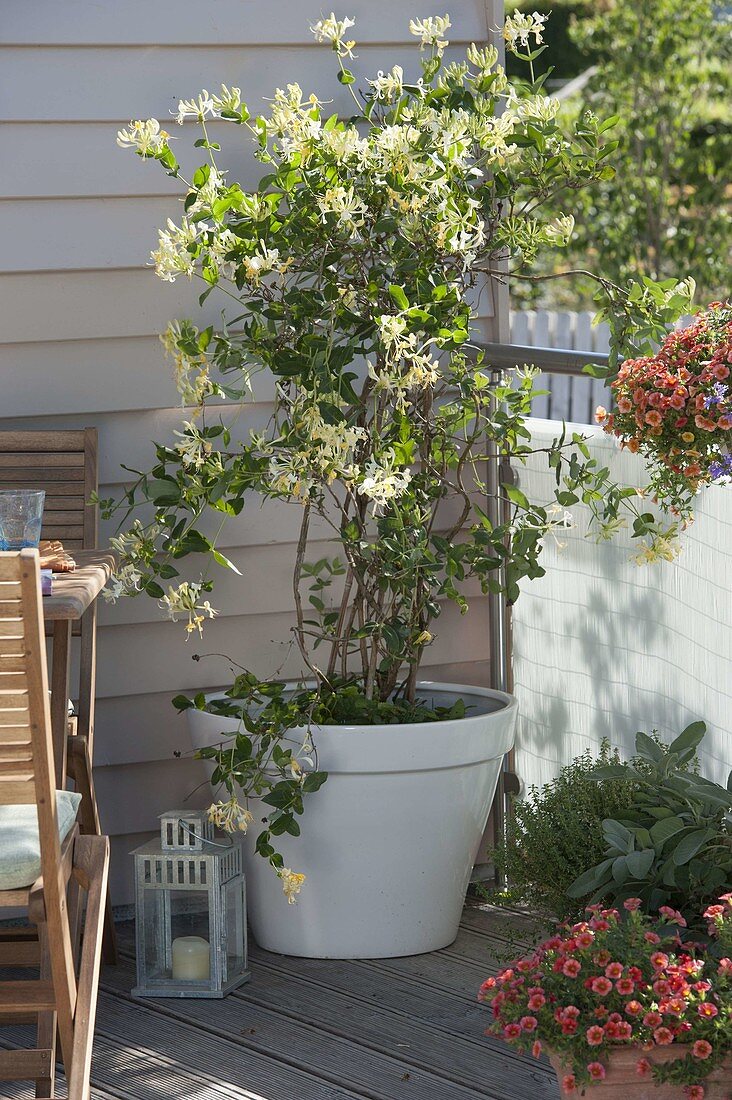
(81, 312)
(255, 22)
(565, 398)
(125, 82)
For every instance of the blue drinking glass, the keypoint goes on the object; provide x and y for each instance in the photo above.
(21, 514)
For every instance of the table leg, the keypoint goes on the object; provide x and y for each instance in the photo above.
(88, 675)
(60, 665)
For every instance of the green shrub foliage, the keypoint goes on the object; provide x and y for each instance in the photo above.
(673, 845)
(556, 833)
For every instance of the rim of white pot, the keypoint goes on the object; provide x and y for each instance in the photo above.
(407, 746)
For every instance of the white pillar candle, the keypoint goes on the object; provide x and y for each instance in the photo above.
(191, 959)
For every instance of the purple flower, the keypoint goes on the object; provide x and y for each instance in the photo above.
(719, 392)
(722, 468)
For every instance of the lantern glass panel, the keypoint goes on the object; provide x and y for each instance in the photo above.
(168, 915)
(235, 929)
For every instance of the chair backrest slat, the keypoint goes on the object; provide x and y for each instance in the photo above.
(64, 463)
(26, 750)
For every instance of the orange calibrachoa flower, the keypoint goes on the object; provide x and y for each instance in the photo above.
(634, 982)
(675, 407)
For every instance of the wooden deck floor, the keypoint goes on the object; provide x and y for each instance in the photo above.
(402, 1029)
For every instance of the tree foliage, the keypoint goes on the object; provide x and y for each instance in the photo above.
(664, 72)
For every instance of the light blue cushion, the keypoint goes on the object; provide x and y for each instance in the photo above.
(20, 850)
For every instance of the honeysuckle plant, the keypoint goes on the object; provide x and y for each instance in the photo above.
(351, 271)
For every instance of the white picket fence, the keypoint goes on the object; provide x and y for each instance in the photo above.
(567, 398)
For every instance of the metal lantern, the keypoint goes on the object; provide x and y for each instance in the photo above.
(191, 911)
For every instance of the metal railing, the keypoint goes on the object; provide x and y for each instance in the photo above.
(499, 358)
(550, 360)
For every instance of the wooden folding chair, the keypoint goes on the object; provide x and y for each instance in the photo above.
(64, 464)
(44, 861)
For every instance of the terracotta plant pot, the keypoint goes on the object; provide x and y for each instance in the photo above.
(622, 1082)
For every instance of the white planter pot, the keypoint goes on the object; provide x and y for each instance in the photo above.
(389, 841)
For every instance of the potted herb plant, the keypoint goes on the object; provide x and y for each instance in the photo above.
(624, 1007)
(352, 269)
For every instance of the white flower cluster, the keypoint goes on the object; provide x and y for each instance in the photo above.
(125, 581)
(431, 31)
(191, 373)
(185, 599)
(173, 257)
(345, 144)
(520, 26)
(558, 520)
(262, 262)
(208, 105)
(295, 123)
(129, 546)
(193, 448)
(382, 482)
(230, 816)
(484, 59)
(145, 137)
(334, 31)
(341, 201)
(207, 194)
(291, 883)
(559, 231)
(388, 86)
(326, 455)
(461, 232)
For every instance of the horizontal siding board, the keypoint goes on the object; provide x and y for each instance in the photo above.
(149, 81)
(170, 22)
(130, 798)
(83, 234)
(85, 305)
(53, 378)
(88, 304)
(87, 162)
(264, 586)
(72, 380)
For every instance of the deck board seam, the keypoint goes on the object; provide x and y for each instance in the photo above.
(431, 1025)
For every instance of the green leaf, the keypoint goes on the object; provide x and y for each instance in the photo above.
(647, 748)
(163, 491)
(690, 844)
(589, 880)
(223, 560)
(620, 869)
(640, 863)
(667, 827)
(398, 296)
(617, 835)
(689, 739)
(515, 495)
(314, 781)
(345, 76)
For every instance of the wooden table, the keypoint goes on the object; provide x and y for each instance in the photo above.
(74, 595)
